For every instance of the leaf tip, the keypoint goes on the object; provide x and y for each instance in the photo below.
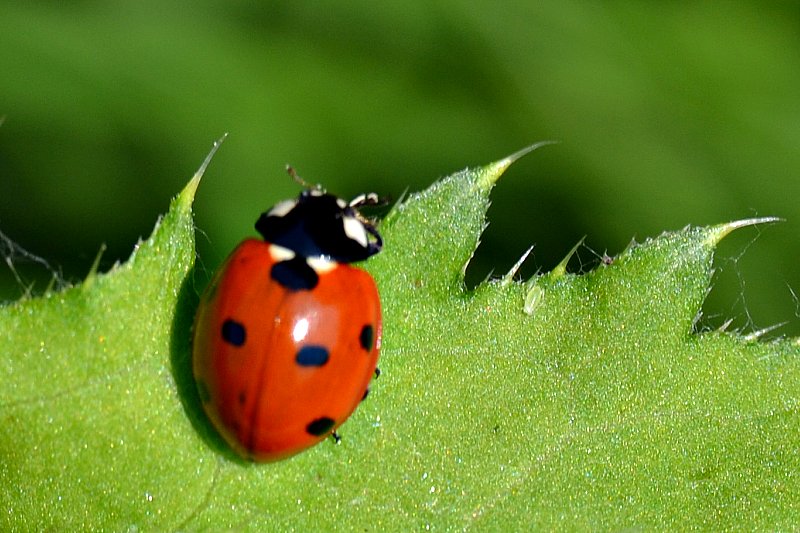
(509, 277)
(493, 171)
(725, 325)
(561, 268)
(720, 231)
(187, 194)
(93, 270)
(756, 335)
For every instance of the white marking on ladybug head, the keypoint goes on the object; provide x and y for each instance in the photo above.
(341, 203)
(321, 265)
(354, 229)
(279, 253)
(281, 208)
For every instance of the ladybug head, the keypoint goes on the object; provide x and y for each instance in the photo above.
(318, 224)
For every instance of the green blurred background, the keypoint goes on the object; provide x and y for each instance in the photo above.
(667, 114)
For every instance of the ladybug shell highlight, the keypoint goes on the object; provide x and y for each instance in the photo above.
(286, 338)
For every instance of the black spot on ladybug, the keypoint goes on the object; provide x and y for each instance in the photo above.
(233, 332)
(312, 355)
(320, 426)
(367, 337)
(366, 393)
(294, 274)
(242, 397)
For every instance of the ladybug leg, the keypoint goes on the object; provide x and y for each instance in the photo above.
(336, 437)
(376, 243)
(300, 181)
(369, 199)
(366, 392)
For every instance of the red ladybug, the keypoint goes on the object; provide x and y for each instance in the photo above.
(287, 334)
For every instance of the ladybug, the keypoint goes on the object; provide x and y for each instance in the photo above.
(287, 334)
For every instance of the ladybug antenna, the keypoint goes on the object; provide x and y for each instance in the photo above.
(300, 181)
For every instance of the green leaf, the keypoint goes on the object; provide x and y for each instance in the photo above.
(563, 401)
